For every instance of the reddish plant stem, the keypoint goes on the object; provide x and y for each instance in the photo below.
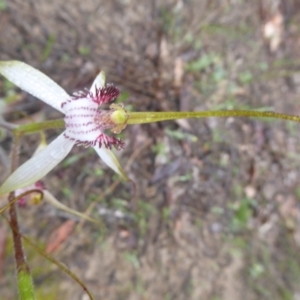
(17, 241)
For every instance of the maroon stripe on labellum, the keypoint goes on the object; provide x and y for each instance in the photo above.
(106, 94)
(87, 121)
(102, 141)
(102, 95)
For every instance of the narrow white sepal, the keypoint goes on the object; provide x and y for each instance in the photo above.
(99, 82)
(110, 159)
(34, 82)
(38, 166)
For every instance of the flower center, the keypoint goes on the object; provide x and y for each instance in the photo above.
(86, 123)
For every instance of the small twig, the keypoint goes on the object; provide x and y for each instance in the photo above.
(4, 158)
(23, 272)
(6, 125)
(19, 255)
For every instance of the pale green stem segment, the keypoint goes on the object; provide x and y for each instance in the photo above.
(35, 127)
(130, 118)
(25, 286)
(150, 117)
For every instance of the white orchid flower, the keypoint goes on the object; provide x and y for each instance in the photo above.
(85, 123)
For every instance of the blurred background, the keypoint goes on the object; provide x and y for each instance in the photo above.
(216, 210)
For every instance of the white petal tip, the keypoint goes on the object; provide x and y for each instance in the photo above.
(110, 159)
(99, 82)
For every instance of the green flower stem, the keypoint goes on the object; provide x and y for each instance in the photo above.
(36, 127)
(150, 117)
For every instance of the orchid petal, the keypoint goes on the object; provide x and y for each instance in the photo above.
(39, 165)
(110, 159)
(98, 83)
(34, 82)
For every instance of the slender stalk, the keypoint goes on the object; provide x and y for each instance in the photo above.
(149, 117)
(36, 127)
(25, 285)
(6, 125)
